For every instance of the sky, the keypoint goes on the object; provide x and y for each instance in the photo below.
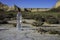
(30, 3)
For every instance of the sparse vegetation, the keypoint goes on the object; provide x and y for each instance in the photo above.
(49, 17)
(48, 31)
(5, 16)
(54, 32)
(41, 30)
(37, 24)
(52, 20)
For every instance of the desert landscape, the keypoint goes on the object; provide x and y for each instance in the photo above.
(37, 23)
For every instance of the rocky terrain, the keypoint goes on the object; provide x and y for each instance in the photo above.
(14, 34)
(27, 32)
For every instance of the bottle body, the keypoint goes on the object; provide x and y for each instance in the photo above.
(19, 20)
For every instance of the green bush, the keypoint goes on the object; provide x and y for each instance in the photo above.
(54, 32)
(1, 10)
(51, 19)
(37, 17)
(41, 30)
(38, 23)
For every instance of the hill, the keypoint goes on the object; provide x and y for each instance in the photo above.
(3, 6)
(57, 4)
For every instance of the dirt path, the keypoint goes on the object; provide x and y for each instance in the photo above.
(13, 34)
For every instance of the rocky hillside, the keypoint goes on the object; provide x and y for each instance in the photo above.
(3, 6)
(12, 8)
(57, 4)
(6, 7)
